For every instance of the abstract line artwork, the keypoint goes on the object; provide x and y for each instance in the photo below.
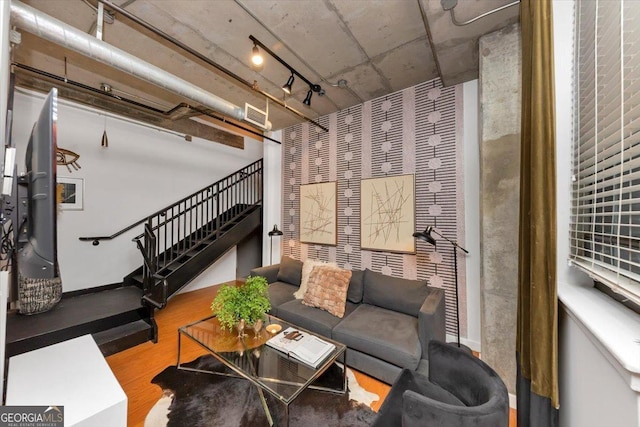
(387, 221)
(318, 208)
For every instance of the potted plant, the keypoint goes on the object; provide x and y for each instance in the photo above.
(246, 303)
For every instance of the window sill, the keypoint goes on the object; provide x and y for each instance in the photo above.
(611, 327)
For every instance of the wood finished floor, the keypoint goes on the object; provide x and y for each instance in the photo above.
(134, 368)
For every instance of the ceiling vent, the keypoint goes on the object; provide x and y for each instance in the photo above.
(256, 116)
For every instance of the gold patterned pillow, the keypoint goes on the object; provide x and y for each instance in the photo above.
(327, 289)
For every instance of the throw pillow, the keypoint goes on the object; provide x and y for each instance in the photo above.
(290, 271)
(327, 289)
(394, 293)
(307, 267)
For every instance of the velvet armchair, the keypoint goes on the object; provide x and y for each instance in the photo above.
(461, 390)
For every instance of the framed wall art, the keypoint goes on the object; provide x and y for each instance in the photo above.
(318, 213)
(387, 219)
(70, 193)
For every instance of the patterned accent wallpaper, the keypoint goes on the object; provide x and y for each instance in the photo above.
(414, 131)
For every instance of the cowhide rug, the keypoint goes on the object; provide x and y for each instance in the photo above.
(197, 399)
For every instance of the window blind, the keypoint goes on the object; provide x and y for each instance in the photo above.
(605, 223)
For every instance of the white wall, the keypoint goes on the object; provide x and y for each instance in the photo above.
(585, 364)
(599, 358)
(142, 171)
(472, 211)
(272, 202)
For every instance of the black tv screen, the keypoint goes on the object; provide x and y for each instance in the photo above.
(38, 257)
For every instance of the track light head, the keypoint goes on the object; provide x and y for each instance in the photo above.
(287, 86)
(256, 57)
(307, 100)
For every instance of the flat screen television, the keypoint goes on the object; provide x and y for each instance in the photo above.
(37, 258)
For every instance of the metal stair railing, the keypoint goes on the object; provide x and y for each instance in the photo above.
(192, 222)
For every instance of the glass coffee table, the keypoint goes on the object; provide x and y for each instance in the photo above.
(272, 371)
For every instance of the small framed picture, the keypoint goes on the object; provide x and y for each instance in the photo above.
(70, 193)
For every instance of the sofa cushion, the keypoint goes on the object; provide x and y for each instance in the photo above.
(394, 293)
(279, 293)
(354, 294)
(307, 267)
(381, 333)
(311, 318)
(327, 289)
(290, 271)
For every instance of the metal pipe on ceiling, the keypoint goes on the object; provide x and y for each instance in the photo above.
(145, 107)
(451, 4)
(49, 28)
(207, 60)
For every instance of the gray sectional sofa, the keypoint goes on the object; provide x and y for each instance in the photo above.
(388, 321)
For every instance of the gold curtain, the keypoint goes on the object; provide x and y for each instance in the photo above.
(537, 334)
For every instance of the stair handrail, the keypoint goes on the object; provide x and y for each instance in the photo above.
(96, 239)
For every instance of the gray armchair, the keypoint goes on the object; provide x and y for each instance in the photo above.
(461, 391)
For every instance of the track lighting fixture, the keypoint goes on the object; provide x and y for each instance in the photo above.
(287, 86)
(256, 57)
(307, 100)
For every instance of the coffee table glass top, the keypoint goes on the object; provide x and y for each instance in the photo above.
(281, 375)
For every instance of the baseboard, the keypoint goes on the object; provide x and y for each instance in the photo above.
(473, 345)
(513, 403)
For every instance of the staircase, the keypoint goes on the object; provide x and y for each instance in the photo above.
(178, 243)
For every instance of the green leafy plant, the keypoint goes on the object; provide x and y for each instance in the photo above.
(249, 301)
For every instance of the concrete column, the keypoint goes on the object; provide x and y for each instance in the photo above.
(500, 75)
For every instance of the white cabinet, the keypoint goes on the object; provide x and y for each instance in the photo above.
(73, 374)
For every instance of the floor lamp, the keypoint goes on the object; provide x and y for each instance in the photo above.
(427, 237)
(274, 232)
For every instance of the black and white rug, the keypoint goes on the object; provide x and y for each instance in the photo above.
(197, 399)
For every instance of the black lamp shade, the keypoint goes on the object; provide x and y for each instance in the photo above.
(425, 236)
(307, 100)
(275, 231)
(287, 86)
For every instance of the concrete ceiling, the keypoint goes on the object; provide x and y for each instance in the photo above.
(378, 47)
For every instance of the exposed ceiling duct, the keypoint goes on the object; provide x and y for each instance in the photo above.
(49, 28)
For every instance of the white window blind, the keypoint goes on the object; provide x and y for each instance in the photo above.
(605, 228)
